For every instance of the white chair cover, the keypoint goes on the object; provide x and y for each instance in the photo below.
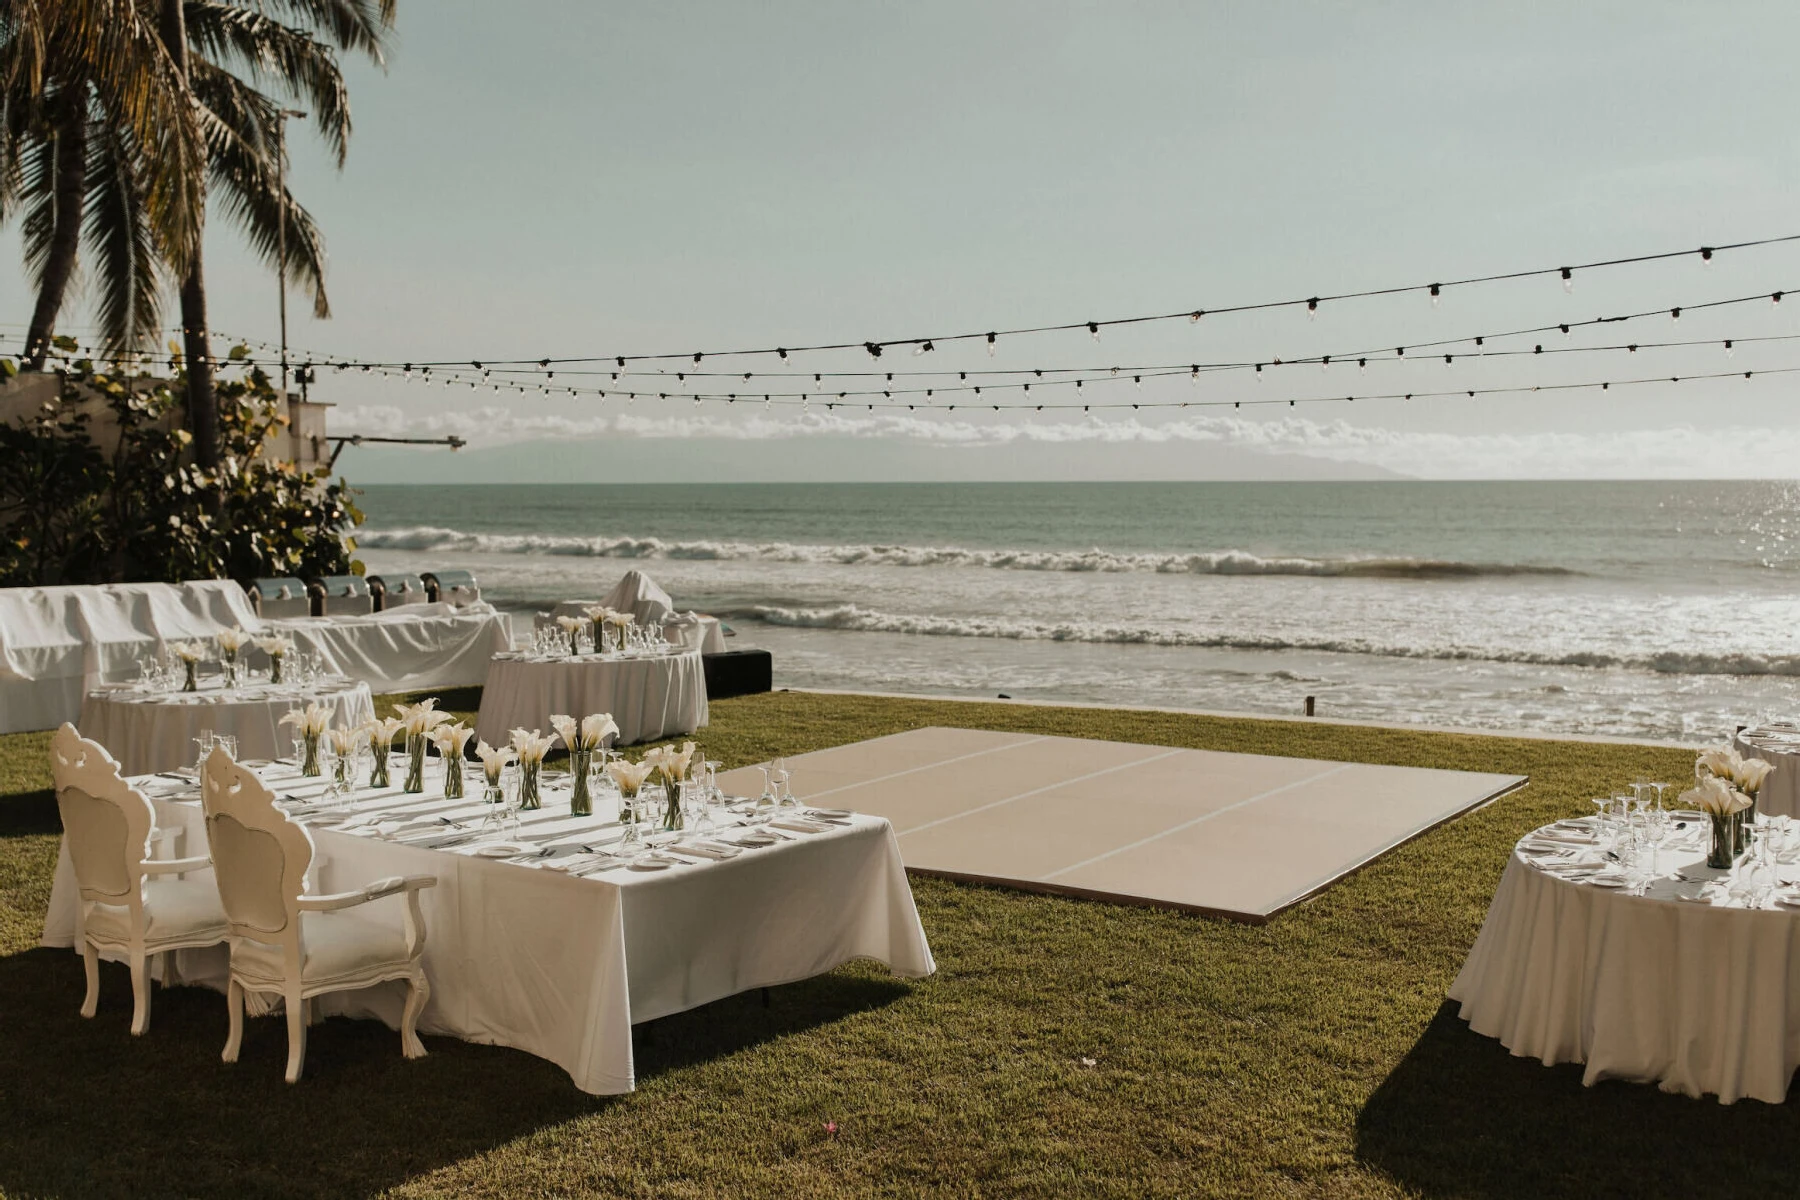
(639, 595)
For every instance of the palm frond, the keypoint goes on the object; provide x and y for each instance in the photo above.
(230, 34)
(360, 25)
(125, 253)
(240, 129)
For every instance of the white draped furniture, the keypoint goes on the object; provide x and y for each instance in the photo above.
(290, 943)
(57, 643)
(651, 696)
(127, 902)
(155, 732)
(561, 966)
(1695, 998)
(410, 648)
(1777, 743)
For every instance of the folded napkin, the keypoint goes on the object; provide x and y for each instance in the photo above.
(800, 825)
(706, 850)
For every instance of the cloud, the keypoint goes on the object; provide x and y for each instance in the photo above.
(1678, 451)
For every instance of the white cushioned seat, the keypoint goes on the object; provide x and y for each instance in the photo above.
(174, 907)
(336, 944)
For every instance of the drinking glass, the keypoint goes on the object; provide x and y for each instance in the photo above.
(229, 741)
(784, 789)
(205, 744)
(767, 802)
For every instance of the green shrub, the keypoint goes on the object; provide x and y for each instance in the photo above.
(76, 509)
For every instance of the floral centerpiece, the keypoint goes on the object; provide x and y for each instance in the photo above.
(621, 623)
(572, 627)
(493, 765)
(672, 766)
(582, 739)
(630, 777)
(421, 721)
(310, 724)
(530, 746)
(597, 614)
(381, 733)
(190, 654)
(1724, 805)
(1745, 775)
(230, 642)
(451, 741)
(277, 646)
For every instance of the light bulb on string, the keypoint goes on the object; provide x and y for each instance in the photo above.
(1568, 280)
(1674, 314)
(1312, 308)
(990, 344)
(1729, 352)
(924, 347)
(1434, 295)
(1324, 364)
(1195, 316)
(1706, 253)
(1094, 330)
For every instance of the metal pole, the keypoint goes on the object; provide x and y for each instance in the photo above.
(281, 119)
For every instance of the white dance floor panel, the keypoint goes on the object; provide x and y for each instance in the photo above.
(1238, 835)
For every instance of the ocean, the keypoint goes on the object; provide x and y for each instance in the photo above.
(1663, 610)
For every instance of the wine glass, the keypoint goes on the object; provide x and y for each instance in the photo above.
(765, 803)
(784, 788)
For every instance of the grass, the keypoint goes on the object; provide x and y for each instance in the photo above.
(1065, 1047)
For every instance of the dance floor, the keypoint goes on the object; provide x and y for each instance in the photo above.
(1237, 835)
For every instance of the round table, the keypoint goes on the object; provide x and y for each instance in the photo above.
(1666, 987)
(155, 731)
(649, 696)
(1777, 743)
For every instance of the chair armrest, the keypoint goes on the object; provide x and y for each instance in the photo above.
(374, 891)
(170, 866)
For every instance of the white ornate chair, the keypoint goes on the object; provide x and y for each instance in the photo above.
(286, 942)
(128, 901)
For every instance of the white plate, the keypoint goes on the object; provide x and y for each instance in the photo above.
(501, 849)
(650, 864)
(1604, 881)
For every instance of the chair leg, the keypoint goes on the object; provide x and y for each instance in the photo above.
(140, 993)
(310, 1007)
(90, 961)
(165, 963)
(296, 1023)
(417, 992)
(234, 1008)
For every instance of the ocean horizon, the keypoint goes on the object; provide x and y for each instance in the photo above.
(1658, 609)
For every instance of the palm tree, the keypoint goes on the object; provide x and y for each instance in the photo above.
(66, 65)
(230, 57)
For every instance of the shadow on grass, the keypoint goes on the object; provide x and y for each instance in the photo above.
(91, 1111)
(25, 813)
(1461, 1116)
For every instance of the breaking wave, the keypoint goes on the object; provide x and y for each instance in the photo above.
(1223, 562)
(863, 620)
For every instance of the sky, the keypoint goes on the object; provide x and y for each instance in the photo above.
(565, 179)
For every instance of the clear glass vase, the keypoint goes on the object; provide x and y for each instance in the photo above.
(581, 799)
(529, 796)
(309, 756)
(415, 763)
(574, 641)
(632, 841)
(229, 665)
(1745, 820)
(275, 661)
(453, 777)
(378, 761)
(599, 637)
(343, 774)
(1723, 848)
(672, 821)
(190, 684)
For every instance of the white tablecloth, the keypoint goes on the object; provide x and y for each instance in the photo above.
(410, 648)
(650, 697)
(56, 642)
(561, 967)
(155, 733)
(1698, 999)
(1780, 745)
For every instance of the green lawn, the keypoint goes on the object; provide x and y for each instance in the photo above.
(1065, 1048)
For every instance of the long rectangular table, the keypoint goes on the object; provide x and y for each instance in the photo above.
(562, 966)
